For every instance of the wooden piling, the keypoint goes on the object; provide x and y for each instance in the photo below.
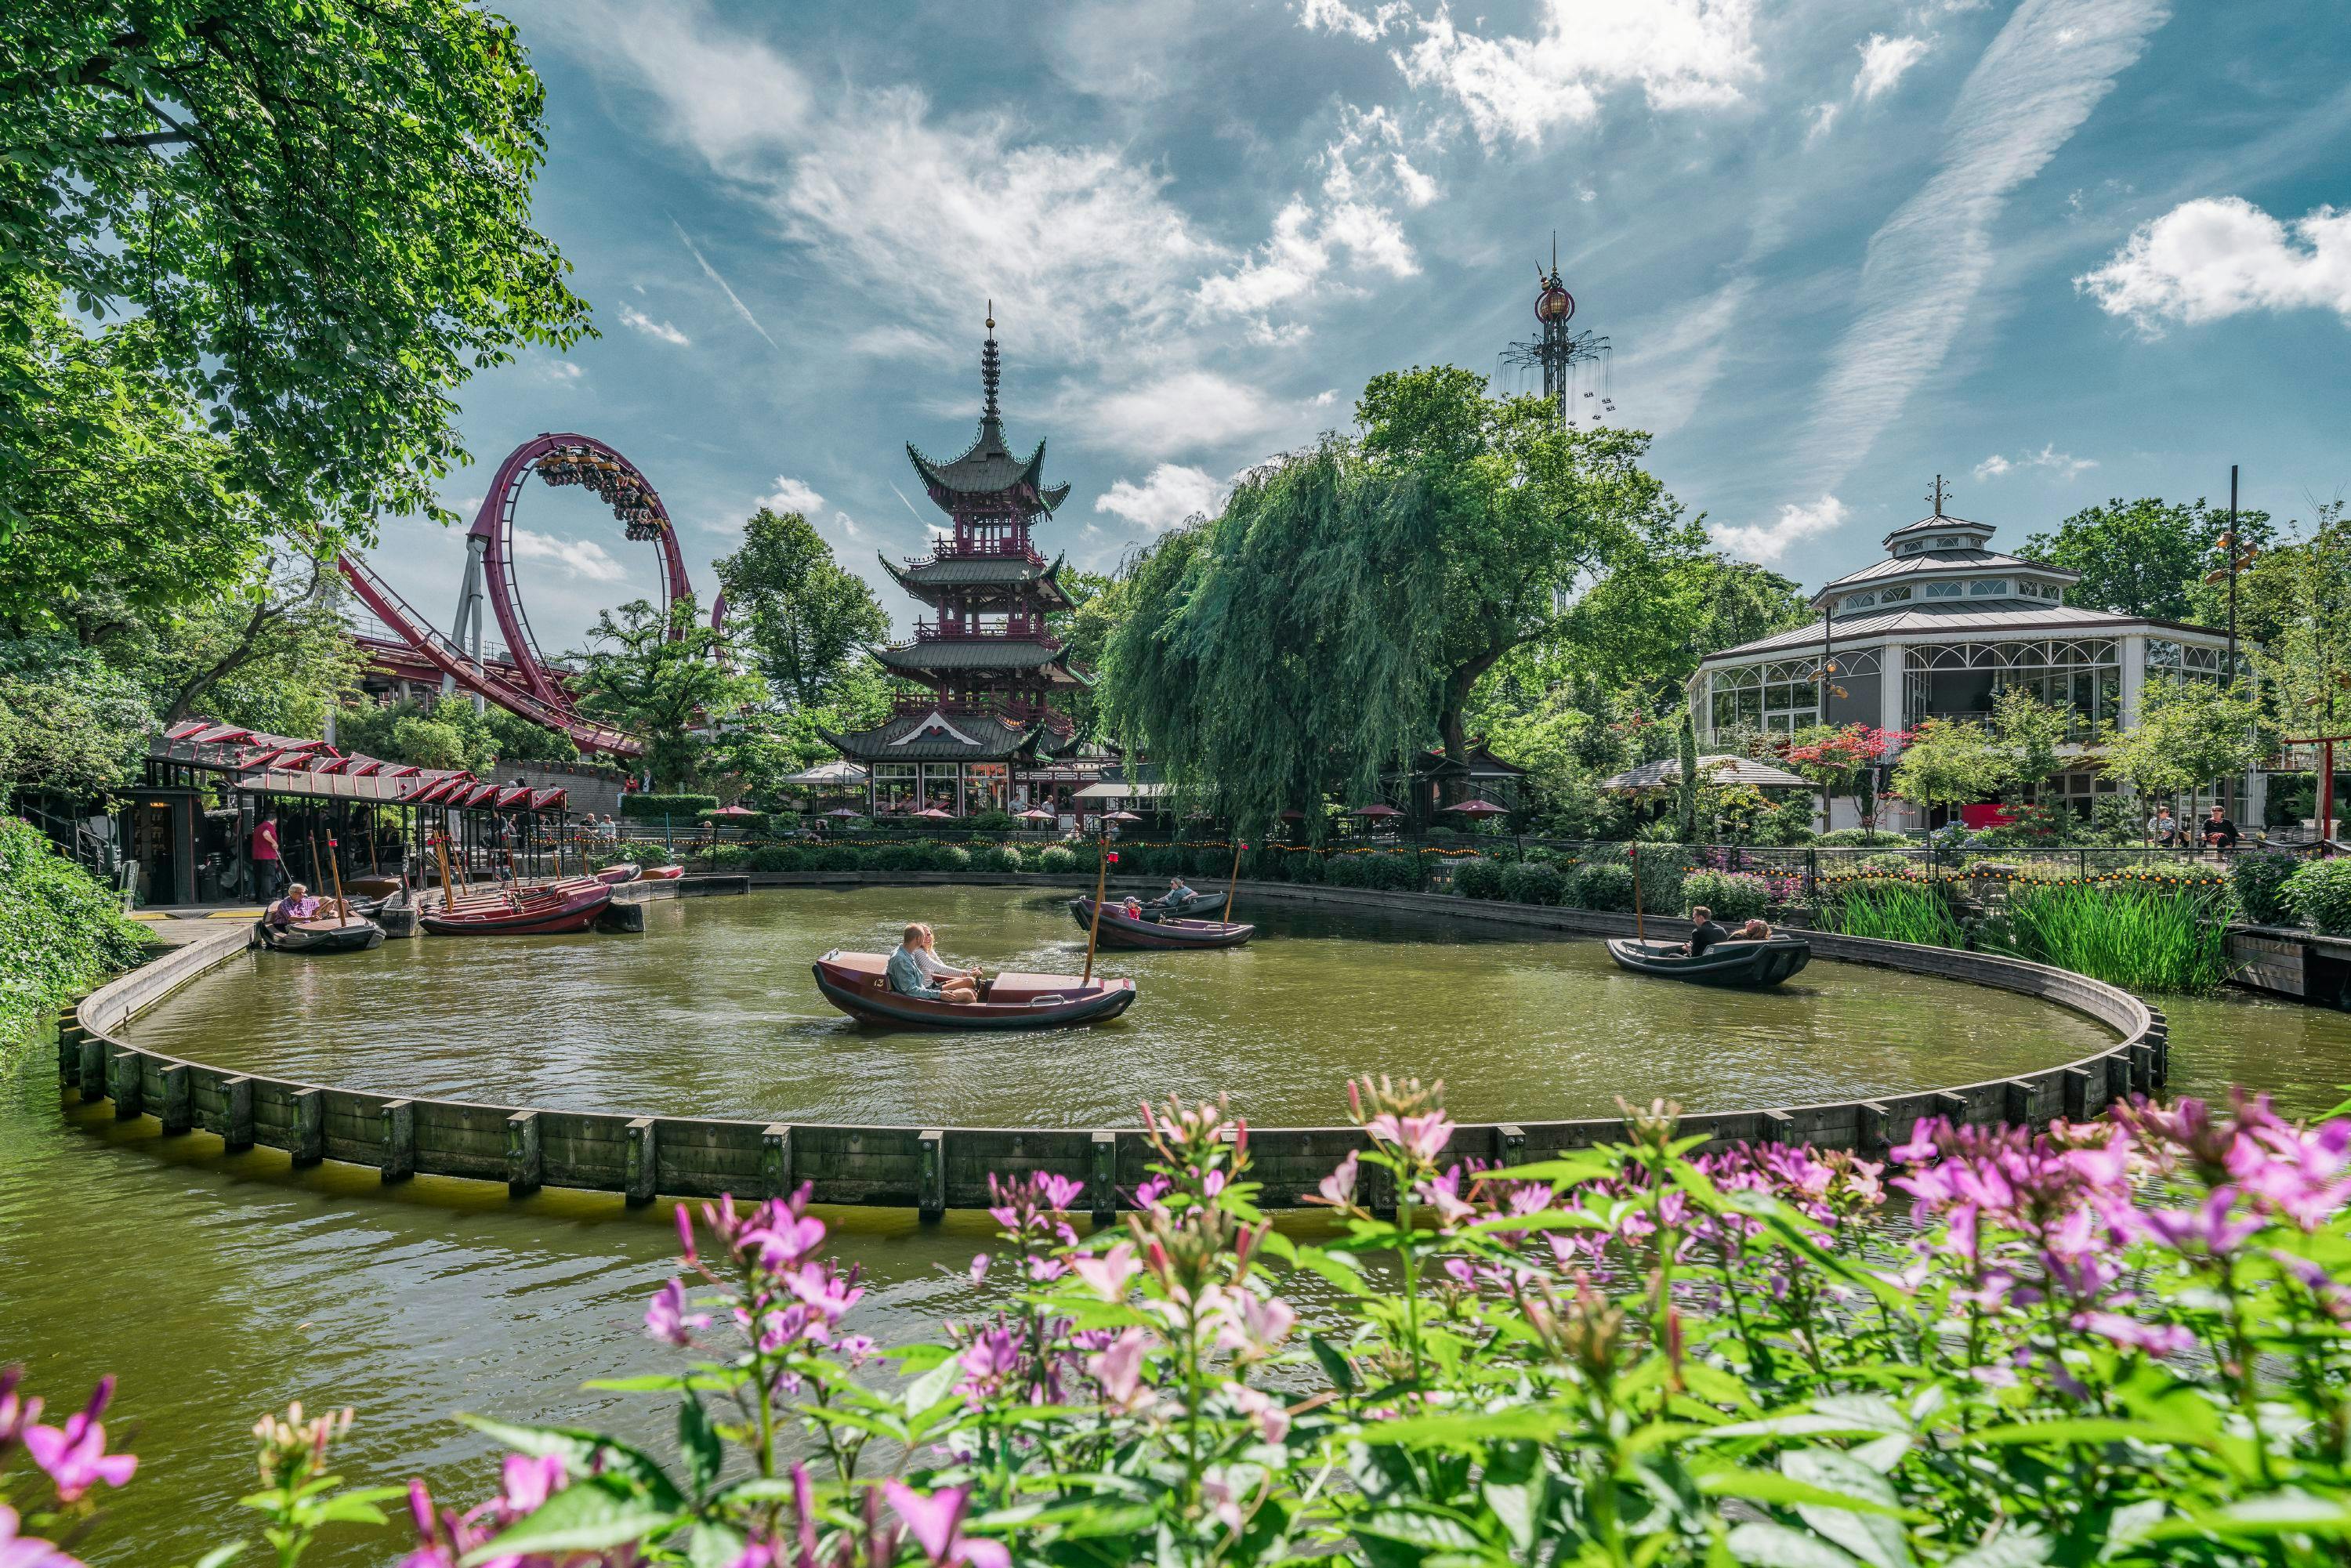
(1101, 1190)
(775, 1160)
(399, 1140)
(643, 1160)
(1509, 1144)
(236, 1115)
(93, 1068)
(123, 1086)
(933, 1202)
(2016, 1097)
(307, 1142)
(177, 1112)
(2119, 1076)
(2076, 1084)
(1873, 1132)
(525, 1165)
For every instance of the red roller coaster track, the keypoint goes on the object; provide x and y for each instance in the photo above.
(557, 459)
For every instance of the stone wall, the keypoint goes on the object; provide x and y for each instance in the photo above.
(935, 1168)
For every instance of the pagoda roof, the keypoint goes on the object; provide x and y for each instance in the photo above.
(925, 577)
(989, 468)
(993, 653)
(937, 735)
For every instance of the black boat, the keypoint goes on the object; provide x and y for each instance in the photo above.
(1118, 931)
(1752, 965)
(320, 936)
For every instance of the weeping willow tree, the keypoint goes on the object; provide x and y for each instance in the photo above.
(1334, 618)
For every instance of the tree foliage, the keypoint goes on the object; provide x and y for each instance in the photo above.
(2147, 556)
(2188, 734)
(1952, 764)
(322, 214)
(2305, 664)
(804, 617)
(658, 677)
(70, 723)
(274, 653)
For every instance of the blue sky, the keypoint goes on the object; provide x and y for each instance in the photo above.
(2055, 251)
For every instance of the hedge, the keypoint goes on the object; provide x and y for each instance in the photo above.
(2320, 892)
(2259, 879)
(1730, 896)
(61, 931)
(1531, 882)
(1604, 885)
(1477, 879)
(640, 804)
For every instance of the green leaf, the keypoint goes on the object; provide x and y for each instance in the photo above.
(587, 1453)
(2097, 1430)
(586, 1516)
(700, 1445)
(2287, 1514)
(918, 1358)
(1422, 1527)
(2008, 1552)
(714, 1545)
(1336, 1268)
(351, 1508)
(1788, 1491)
(1335, 1364)
(931, 1387)
(220, 1555)
(1777, 1546)
(1858, 1520)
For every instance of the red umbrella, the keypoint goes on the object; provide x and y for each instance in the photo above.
(1121, 817)
(1293, 816)
(1377, 811)
(937, 815)
(844, 811)
(734, 812)
(1037, 814)
(1479, 809)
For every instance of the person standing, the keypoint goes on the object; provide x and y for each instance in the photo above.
(269, 869)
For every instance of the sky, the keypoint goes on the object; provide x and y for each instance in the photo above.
(2055, 251)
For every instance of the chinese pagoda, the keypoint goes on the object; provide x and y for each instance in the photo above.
(984, 735)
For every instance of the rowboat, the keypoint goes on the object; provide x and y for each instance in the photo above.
(858, 983)
(614, 876)
(553, 910)
(1120, 930)
(320, 936)
(375, 888)
(660, 873)
(1752, 965)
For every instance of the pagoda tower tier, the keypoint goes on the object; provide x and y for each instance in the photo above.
(982, 733)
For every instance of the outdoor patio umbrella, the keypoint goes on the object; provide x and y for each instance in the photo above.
(1121, 817)
(844, 811)
(1037, 814)
(734, 812)
(1293, 816)
(1376, 810)
(1479, 809)
(937, 815)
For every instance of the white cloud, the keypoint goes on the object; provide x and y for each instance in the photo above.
(1883, 61)
(562, 372)
(1681, 54)
(2064, 464)
(633, 316)
(1420, 190)
(1769, 541)
(1679, 358)
(848, 525)
(1289, 335)
(1324, 398)
(2038, 82)
(724, 287)
(1188, 411)
(1338, 16)
(1825, 119)
(2220, 257)
(792, 495)
(1172, 493)
(897, 341)
(577, 558)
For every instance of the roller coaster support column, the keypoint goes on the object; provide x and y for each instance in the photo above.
(465, 631)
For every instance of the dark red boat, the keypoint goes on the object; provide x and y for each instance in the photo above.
(858, 983)
(1119, 930)
(614, 876)
(660, 873)
(550, 911)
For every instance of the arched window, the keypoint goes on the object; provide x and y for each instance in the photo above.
(1895, 596)
(1988, 588)
(1853, 602)
(1943, 591)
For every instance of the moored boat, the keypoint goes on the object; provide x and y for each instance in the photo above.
(1119, 930)
(554, 910)
(616, 876)
(1751, 965)
(859, 985)
(660, 873)
(320, 936)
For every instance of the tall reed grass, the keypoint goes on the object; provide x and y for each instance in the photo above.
(1895, 909)
(2141, 938)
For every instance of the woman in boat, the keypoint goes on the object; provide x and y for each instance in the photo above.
(949, 979)
(1754, 931)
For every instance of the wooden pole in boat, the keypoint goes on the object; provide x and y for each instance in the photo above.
(1640, 933)
(335, 869)
(441, 851)
(1233, 881)
(1101, 877)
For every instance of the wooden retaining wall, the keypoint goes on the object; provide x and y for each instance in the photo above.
(935, 1168)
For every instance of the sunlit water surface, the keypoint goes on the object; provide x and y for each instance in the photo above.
(218, 1286)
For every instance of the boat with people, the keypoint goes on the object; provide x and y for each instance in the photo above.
(319, 936)
(859, 985)
(1120, 929)
(1751, 965)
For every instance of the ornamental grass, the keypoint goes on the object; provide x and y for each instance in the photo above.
(2121, 1344)
(1895, 908)
(2140, 936)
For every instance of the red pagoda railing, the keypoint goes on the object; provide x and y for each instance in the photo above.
(934, 631)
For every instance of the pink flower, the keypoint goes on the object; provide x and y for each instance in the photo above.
(2206, 1232)
(1148, 1195)
(1118, 1367)
(1338, 1188)
(1444, 1195)
(16, 1413)
(666, 1318)
(783, 1238)
(1257, 1325)
(28, 1550)
(1423, 1137)
(1060, 1192)
(978, 1266)
(2155, 1339)
(1108, 1274)
(75, 1455)
(936, 1524)
(531, 1482)
(1263, 1411)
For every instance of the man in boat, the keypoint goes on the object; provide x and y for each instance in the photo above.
(1704, 932)
(1176, 897)
(906, 976)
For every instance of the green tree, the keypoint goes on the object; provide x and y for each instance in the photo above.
(2188, 732)
(1101, 603)
(69, 722)
(323, 211)
(273, 653)
(658, 678)
(1952, 764)
(1649, 621)
(2305, 664)
(805, 619)
(2147, 556)
(1686, 787)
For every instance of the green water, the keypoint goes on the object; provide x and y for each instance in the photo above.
(218, 1286)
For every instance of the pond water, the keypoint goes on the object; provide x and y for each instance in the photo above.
(220, 1286)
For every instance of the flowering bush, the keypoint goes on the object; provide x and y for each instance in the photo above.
(2123, 1342)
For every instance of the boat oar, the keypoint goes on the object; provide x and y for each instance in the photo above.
(1639, 933)
(1101, 875)
(441, 851)
(335, 869)
(1233, 881)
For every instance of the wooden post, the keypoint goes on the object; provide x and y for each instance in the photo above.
(318, 877)
(399, 1140)
(335, 869)
(932, 1193)
(236, 1115)
(177, 1112)
(524, 1166)
(644, 1163)
(448, 887)
(2119, 1077)
(93, 1068)
(309, 1143)
(2016, 1098)
(1102, 880)
(1874, 1134)
(2076, 1084)
(1640, 933)
(123, 1086)
(1233, 881)
(1102, 1197)
(1779, 1127)
(775, 1160)
(1509, 1144)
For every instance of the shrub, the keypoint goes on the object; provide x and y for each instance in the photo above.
(948, 857)
(683, 808)
(775, 858)
(2260, 881)
(1000, 857)
(1858, 838)
(1477, 879)
(1056, 859)
(2320, 892)
(899, 857)
(991, 823)
(1531, 882)
(1604, 885)
(1348, 871)
(61, 930)
(1731, 896)
(1396, 872)
(1890, 865)
(758, 824)
(836, 857)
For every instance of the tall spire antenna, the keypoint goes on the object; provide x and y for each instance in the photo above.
(991, 367)
(1938, 495)
(1561, 349)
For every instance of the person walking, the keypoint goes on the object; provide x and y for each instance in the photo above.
(268, 868)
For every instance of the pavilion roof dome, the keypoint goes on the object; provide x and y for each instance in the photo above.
(1932, 619)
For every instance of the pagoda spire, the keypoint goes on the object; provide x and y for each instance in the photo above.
(991, 367)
